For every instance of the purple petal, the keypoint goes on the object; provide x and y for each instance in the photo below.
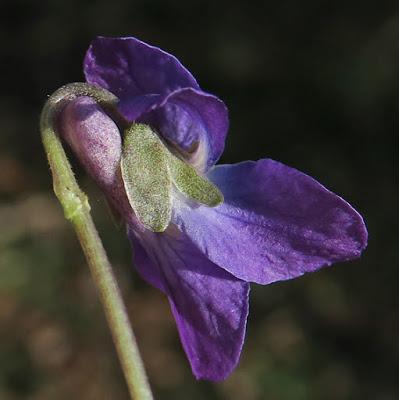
(134, 108)
(210, 306)
(196, 122)
(128, 68)
(155, 88)
(276, 223)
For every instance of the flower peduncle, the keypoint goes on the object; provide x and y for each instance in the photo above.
(77, 210)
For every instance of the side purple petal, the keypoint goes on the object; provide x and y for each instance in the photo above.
(276, 223)
(210, 306)
(194, 121)
(128, 68)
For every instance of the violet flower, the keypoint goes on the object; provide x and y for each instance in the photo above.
(274, 224)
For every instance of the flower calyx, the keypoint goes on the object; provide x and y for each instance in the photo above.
(150, 171)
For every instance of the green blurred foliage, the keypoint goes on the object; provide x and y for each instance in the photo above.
(313, 84)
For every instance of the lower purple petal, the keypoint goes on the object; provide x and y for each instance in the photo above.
(276, 223)
(210, 306)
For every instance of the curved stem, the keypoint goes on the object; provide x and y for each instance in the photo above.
(77, 210)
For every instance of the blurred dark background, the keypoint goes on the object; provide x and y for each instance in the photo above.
(313, 84)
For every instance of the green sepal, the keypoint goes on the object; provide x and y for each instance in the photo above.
(146, 177)
(191, 184)
(148, 171)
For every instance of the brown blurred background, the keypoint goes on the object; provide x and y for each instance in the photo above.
(313, 84)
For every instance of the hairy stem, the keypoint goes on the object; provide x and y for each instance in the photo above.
(77, 211)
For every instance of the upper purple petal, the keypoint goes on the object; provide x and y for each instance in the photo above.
(153, 87)
(276, 223)
(210, 305)
(128, 67)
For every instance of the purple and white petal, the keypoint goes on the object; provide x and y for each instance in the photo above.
(276, 223)
(210, 305)
(129, 68)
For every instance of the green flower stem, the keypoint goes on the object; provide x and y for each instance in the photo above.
(77, 211)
